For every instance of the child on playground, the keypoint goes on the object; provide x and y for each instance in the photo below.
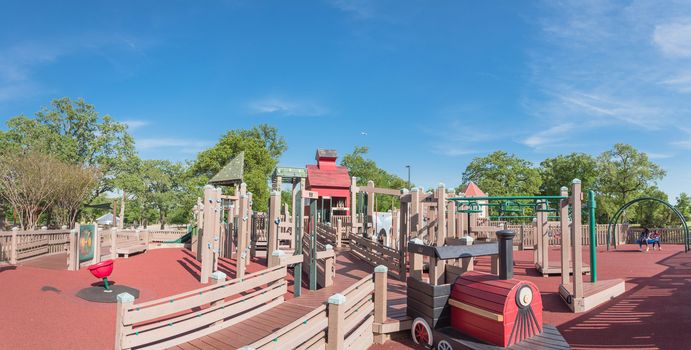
(655, 236)
(643, 239)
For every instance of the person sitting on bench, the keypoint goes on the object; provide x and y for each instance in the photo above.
(655, 237)
(643, 239)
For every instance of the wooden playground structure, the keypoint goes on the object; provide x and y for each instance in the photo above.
(327, 282)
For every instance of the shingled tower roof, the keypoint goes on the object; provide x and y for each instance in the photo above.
(231, 173)
(473, 191)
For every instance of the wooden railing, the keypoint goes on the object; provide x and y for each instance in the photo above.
(180, 318)
(345, 322)
(326, 261)
(377, 254)
(20, 245)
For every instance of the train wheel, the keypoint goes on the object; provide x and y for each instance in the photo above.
(444, 345)
(421, 332)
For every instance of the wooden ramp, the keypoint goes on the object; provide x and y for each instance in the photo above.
(554, 268)
(349, 270)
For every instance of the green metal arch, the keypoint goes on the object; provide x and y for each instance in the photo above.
(615, 218)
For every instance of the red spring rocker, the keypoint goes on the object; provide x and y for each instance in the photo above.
(102, 270)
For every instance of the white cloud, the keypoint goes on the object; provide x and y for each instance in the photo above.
(282, 106)
(549, 136)
(655, 155)
(136, 124)
(674, 39)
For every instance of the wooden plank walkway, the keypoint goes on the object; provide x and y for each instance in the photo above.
(349, 270)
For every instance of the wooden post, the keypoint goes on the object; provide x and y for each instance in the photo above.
(219, 278)
(273, 221)
(275, 257)
(415, 261)
(241, 254)
(125, 302)
(336, 332)
(97, 244)
(114, 243)
(13, 246)
(370, 219)
(353, 205)
(544, 239)
(393, 235)
(208, 232)
(197, 243)
(404, 234)
(451, 218)
(380, 299)
(415, 215)
(73, 252)
(576, 234)
(329, 267)
(248, 238)
(339, 233)
(565, 236)
(537, 244)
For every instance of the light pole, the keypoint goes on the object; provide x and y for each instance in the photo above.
(408, 166)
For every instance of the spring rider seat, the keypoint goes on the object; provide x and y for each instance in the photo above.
(102, 270)
(104, 294)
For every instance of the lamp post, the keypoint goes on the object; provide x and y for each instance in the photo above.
(408, 166)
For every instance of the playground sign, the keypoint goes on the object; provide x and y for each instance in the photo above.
(87, 237)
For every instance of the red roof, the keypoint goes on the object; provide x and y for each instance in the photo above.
(331, 177)
(473, 191)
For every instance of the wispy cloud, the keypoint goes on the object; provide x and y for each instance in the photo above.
(359, 9)
(674, 38)
(136, 124)
(187, 146)
(603, 64)
(19, 61)
(287, 107)
(549, 136)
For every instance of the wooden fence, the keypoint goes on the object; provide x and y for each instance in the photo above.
(180, 318)
(667, 235)
(20, 245)
(527, 233)
(344, 323)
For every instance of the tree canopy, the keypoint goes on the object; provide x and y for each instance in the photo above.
(73, 131)
(366, 169)
(503, 174)
(262, 146)
(561, 170)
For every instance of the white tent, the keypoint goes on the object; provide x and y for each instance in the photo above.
(105, 220)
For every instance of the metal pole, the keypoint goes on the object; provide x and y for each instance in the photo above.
(408, 166)
(593, 236)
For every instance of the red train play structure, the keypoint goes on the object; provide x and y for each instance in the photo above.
(476, 310)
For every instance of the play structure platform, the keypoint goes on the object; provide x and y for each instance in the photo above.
(594, 294)
(554, 268)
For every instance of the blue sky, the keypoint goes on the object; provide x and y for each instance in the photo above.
(432, 85)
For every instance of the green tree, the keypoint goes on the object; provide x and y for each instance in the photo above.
(684, 205)
(561, 170)
(366, 169)
(503, 174)
(73, 132)
(164, 183)
(262, 146)
(624, 173)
